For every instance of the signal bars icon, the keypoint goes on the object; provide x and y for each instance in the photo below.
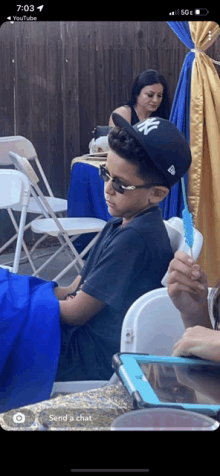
(176, 12)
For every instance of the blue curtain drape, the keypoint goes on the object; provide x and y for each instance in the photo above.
(180, 116)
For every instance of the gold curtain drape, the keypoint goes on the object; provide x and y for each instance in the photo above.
(204, 175)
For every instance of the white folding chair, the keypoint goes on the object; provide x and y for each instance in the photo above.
(152, 325)
(14, 190)
(61, 228)
(175, 232)
(23, 146)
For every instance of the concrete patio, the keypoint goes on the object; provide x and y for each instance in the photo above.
(53, 268)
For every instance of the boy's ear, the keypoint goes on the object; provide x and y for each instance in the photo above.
(159, 193)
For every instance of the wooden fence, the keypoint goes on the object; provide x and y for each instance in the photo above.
(58, 80)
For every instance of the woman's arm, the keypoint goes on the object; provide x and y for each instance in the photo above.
(124, 112)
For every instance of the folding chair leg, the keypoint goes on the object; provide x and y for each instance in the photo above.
(5, 246)
(23, 243)
(86, 249)
(51, 259)
(37, 243)
(19, 240)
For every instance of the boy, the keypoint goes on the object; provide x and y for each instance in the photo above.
(133, 251)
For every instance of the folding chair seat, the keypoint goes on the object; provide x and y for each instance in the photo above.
(15, 189)
(21, 145)
(62, 228)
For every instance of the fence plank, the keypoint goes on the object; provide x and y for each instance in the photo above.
(7, 55)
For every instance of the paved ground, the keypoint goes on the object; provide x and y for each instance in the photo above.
(50, 271)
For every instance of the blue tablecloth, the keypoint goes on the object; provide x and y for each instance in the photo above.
(86, 198)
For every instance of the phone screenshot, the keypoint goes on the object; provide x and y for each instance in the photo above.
(91, 178)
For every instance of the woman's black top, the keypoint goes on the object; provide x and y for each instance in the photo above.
(134, 117)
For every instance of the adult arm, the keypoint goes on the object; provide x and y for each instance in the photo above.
(199, 341)
(188, 289)
(124, 112)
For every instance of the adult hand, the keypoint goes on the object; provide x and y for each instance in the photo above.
(187, 285)
(199, 341)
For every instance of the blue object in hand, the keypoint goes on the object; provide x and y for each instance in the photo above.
(187, 220)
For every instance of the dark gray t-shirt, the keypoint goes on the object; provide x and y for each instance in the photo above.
(125, 263)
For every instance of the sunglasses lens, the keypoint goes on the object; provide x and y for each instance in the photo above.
(118, 188)
(104, 175)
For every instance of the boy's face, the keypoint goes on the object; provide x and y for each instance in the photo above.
(131, 202)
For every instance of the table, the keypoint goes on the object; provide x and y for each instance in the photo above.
(104, 405)
(86, 193)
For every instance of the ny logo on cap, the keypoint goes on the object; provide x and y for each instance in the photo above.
(148, 125)
(172, 170)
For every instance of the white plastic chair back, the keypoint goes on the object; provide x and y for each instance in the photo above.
(15, 189)
(18, 144)
(152, 325)
(175, 232)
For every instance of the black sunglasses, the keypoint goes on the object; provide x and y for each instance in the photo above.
(116, 183)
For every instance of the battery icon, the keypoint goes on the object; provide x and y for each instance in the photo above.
(201, 11)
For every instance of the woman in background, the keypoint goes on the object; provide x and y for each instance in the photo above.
(149, 98)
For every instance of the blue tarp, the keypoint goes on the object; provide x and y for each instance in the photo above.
(30, 339)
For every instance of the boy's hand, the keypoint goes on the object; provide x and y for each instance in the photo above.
(187, 286)
(69, 297)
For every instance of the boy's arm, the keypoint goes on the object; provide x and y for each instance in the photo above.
(81, 309)
(61, 292)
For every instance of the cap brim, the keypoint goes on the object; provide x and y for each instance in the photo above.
(121, 122)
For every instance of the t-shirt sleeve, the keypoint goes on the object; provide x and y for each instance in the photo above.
(122, 260)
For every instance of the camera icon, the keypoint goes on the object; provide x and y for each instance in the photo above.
(18, 418)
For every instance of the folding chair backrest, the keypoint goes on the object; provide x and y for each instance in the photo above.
(24, 166)
(14, 188)
(18, 144)
(23, 147)
(175, 232)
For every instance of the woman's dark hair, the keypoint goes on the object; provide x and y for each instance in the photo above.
(128, 148)
(147, 78)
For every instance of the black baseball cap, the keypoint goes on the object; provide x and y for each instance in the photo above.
(163, 143)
